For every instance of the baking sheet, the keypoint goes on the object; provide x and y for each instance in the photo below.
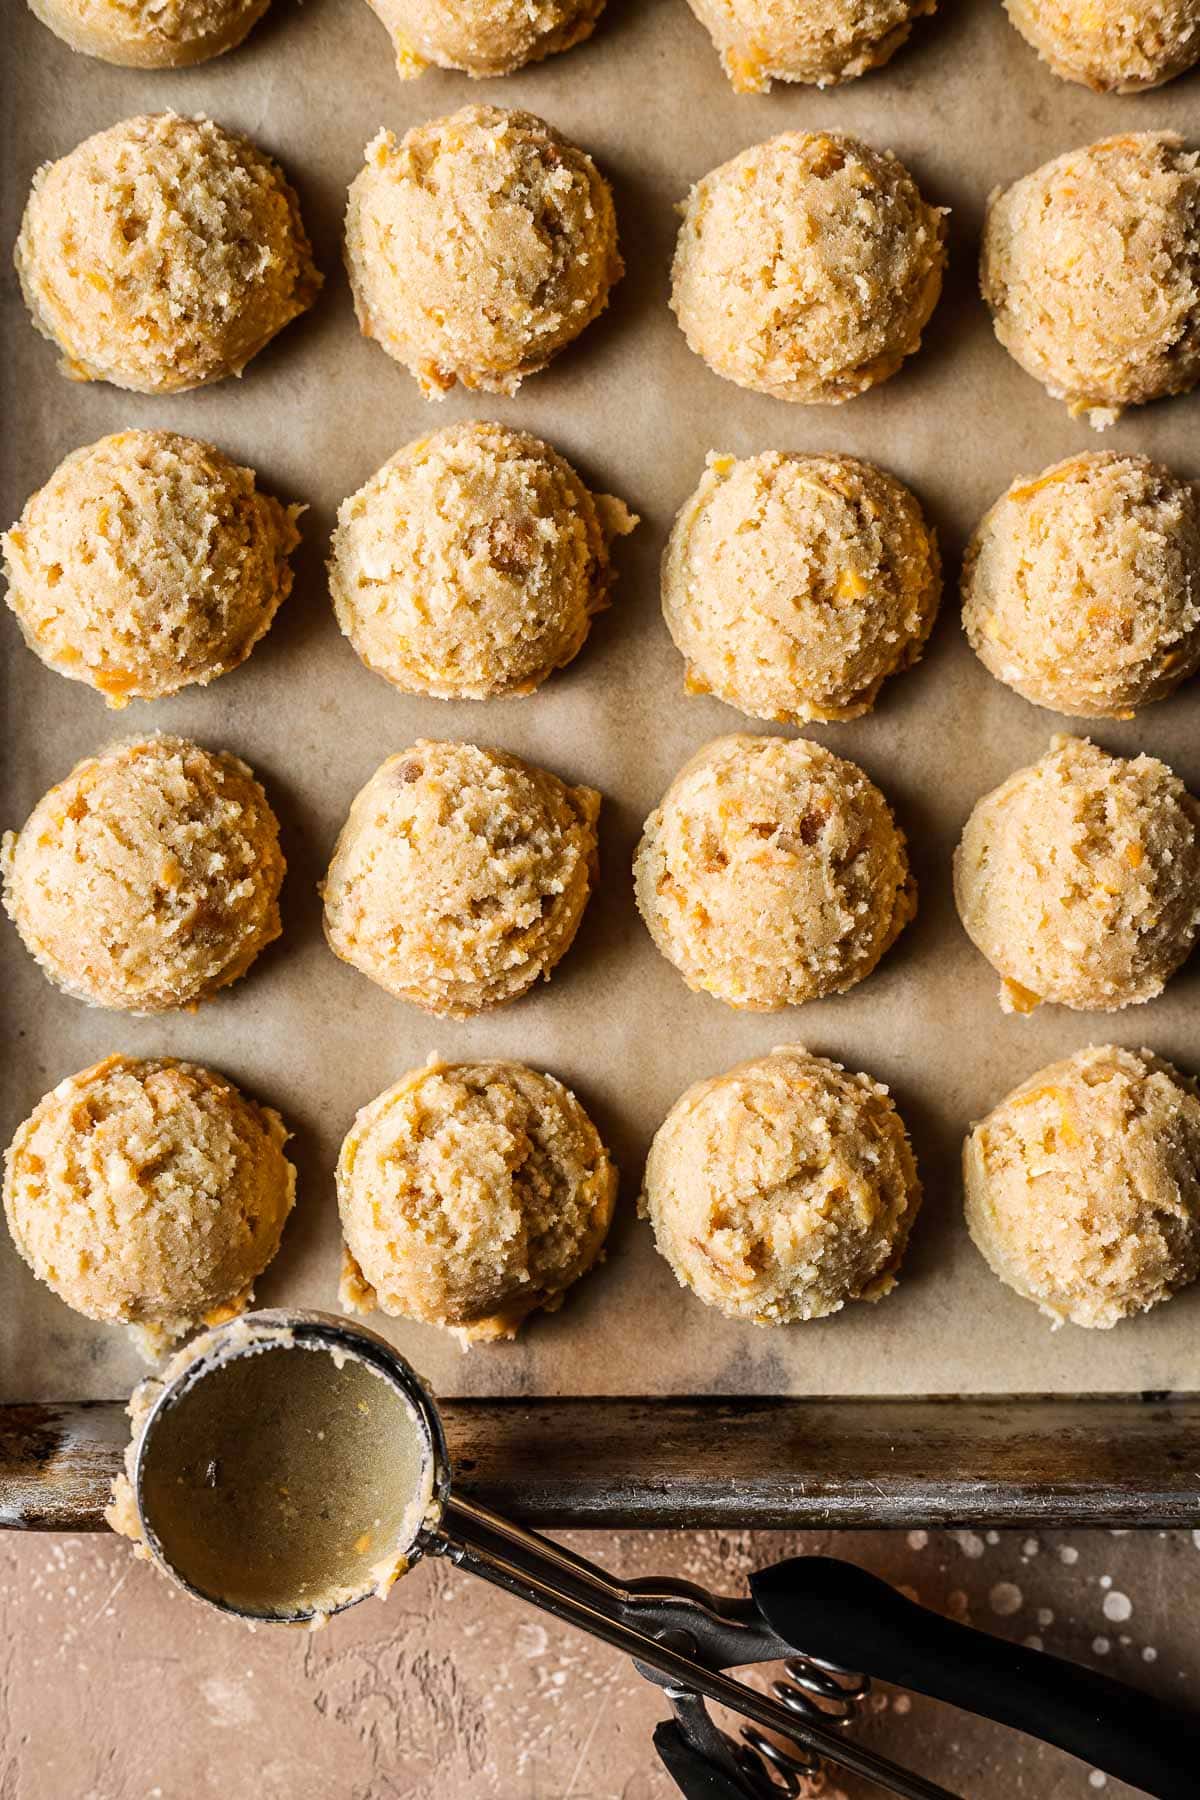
(966, 105)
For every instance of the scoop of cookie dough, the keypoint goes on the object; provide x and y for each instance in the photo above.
(822, 42)
(470, 1195)
(471, 564)
(478, 247)
(483, 37)
(1091, 268)
(1079, 879)
(460, 876)
(1081, 588)
(147, 562)
(1113, 46)
(149, 1192)
(772, 873)
(807, 267)
(1083, 1185)
(150, 34)
(149, 878)
(795, 584)
(162, 254)
(782, 1189)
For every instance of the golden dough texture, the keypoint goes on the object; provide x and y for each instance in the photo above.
(1113, 46)
(149, 878)
(794, 585)
(460, 876)
(150, 34)
(807, 267)
(147, 562)
(478, 247)
(1091, 268)
(483, 37)
(1079, 879)
(149, 1192)
(1081, 587)
(772, 873)
(162, 254)
(782, 1189)
(472, 1194)
(820, 42)
(1083, 1186)
(472, 562)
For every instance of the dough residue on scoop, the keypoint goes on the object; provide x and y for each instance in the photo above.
(478, 247)
(783, 1188)
(472, 1194)
(471, 564)
(807, 267)
(147, 562)
(1083, 1185)
(149, 1192)
(162, 254)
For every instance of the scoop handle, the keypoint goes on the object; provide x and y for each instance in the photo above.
(835, 1610)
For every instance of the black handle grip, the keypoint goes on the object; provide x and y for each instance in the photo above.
(836, 1610)
(693, 1774)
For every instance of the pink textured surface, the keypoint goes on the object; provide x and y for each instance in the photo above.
(113, 1687)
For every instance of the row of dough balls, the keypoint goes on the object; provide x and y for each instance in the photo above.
(1117, 46)
(163, 253)
(472, 563)
(772, 873)
(153, 1193)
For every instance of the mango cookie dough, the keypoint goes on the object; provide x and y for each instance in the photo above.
(147, 562)
(483, 37)
(1081, 587)
(821, 42)
(1079, 879)
(772, 873)
(1091, 268)
(807, 267)
(162, 254)
(460, 876)
(149, 1192)
(471, 564)
(1083, 1186)
(1112, 46)
(794, 585)
(478, 247)
(149, 878)
(471, 1194)
(150, 34)
(782, 1189)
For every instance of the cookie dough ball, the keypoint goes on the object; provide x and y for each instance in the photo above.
(794, 585)
(147, 562)
(1079, 879)
(1091, 268)
(483, 37)
(149, 1192)
(1083, 1185)
(163, 254)
(470, 1195)
(772, 873)
(807, 267)
(1081, 588)
(478, 247)
(1113, 46)
(460, 876)
(149, 878)
(782, 1189)
(471, 564)
(150, 34)
(821, 42)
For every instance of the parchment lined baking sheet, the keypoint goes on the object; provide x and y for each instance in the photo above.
(967, 105)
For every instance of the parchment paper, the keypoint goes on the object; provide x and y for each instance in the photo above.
(967, 105)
